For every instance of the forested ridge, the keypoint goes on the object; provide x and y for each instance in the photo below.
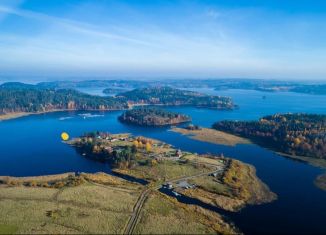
(40, 100)
(295, 134)
(172, 96)
(20, 97)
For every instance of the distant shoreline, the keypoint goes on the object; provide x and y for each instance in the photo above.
(9, 116)
(14, 115)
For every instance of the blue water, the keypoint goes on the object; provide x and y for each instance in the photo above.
(31, 146)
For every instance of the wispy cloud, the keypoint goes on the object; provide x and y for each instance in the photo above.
(203, 40)
(80, 27)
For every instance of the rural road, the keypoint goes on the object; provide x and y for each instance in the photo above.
(137, 209)
(143, 196)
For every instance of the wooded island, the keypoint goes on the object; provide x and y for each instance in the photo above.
(145, 116)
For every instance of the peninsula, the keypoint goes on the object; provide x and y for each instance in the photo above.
(20, 100)
(145, 116)
(292, 134)
(211, 135)
(172, 96)
(231, 183)
(136, 196)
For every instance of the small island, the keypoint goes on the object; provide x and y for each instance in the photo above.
(145, 116)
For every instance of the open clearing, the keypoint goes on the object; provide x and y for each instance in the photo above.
(164, 215)
(87, 208)
(212, 136)
(98, 204)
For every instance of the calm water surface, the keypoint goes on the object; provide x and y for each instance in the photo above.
(32, 146)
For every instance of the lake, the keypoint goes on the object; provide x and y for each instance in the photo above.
(32, 146)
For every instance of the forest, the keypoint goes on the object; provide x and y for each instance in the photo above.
(172, 96)
(19, 97)
(295, 134)
(40, 100)
(146, 116)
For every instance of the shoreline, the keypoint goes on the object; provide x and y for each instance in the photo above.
(10, 116)
(223, 136)
(47, 177)
(314, 162)
(15, 115)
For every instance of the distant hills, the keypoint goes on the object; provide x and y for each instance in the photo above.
(19, 97)
(173, 96)
(218, 84)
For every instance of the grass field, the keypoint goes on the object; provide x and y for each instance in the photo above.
(102, 204)
(166, 170)
(236, 187)
(212, 136)
(204, 159)
(164, 215)
(87, 208)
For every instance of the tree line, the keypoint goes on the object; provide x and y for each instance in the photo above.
(295, 134)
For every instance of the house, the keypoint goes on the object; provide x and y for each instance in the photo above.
(178, 153)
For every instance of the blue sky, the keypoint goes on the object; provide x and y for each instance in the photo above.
(282, 39)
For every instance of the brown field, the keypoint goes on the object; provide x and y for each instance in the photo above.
(100, 204)
(235, 188)
(164, 215)
(212, 136)
(246, 185)
(86, 208)
(219, 200)
(204, 159)
(43, 178)
(166, 170)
